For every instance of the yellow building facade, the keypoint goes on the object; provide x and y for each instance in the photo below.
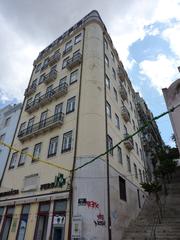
(79, 102)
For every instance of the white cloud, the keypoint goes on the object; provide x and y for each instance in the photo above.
(161, 72)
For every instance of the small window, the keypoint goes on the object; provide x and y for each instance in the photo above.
(38, 67)
(58, 108)
(73, 77)
(131, 105)
(125, 130)
(112, 56)
(107, 82)
(117, 123)
(70, 105)
(114, 73)
(109, 144)
(13, 160)
(140, 175)
(63, 80)
(122, 189)
(45, 64)
(137, 149)
(36, 152)
(68, 45)
(41, 79)
(2, 137)
(23, 157)
(134, 127)
(30, 125)
(115, 95)
(119, 152)
(105, 44)
(43, 118)
(108, 109)
(77, 38)
(135, 171)
(76, 53)
(65, 62)
(53, 147)
(128, 164)
(7, 121)
(106, 61)
(67, 142)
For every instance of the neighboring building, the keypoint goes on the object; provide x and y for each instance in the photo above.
(150, 137)
(172, 98)
(9, 116)
(79, 103)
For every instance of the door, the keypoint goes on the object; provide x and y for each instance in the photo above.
(58, 233)
(43, 119)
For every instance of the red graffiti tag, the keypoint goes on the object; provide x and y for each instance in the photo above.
(92, 204)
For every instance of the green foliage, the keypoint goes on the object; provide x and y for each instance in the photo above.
(153, 187)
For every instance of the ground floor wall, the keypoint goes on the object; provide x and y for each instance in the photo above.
(90, 206)
(35, 218)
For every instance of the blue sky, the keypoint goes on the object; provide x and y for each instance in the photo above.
(145, 33)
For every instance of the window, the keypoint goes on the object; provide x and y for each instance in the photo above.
(41, 79)
(58, 108)
(117, 123)
(135, 171)
(7, 121)
(53, 146)
(42, 221)
(38, 67)
(105, 44)
(68, 45)
(112, 56)
(76, 53)
(23, 223)
(119, 152)
(114, 73)
(1, 213)
(77, 38)
(128, 164)
(115, 94)
(34, 83)
(106, 61)
(122, 189)
(134, 127)
(7, 223)
(73, 77)
(2, 137)
(45, 64)
(49, 91)
(144, 176)
(29, 101)
(22, 127)
(13, 160)
(67, 142)
(22, 157)
(108, 109)
(125, 130)
(140, 175)
(65, 62)
(109, 144)
(30, 125)
(131, 105)
(36, 152)
(107, 82)
(62, 80)
(43, 118)
(70, 105)
(137, 149)
(141, 154)
(37, 97)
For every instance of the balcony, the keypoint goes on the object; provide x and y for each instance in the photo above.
(51, 76)
(47, 98)
(30, 90)
(121, 74)
(123, 92)
(129, 144)
(125, 114)
(54, 59)
(41, 127)
(74, 61)
(67, 50)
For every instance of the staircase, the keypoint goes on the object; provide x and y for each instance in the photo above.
(147, 227)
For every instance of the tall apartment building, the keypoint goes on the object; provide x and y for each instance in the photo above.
(9, 116)
(172, 98)
(79, 103)
(150, 137)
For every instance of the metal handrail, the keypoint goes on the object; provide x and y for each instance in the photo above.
(62, 86)
(42, 124)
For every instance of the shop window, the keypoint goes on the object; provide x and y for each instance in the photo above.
(23, 223)
(7, 223)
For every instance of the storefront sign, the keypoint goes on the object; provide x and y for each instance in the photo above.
(82, 202)
(76, 227)
(59, 181)
(9, 193)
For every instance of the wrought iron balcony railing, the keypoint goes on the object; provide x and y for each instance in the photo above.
(123, 92)
(47, 97)
(41, 127)
(74, 61)
(51, 76)
(54, 59)
(30, 90)
(129, 143)
(125, 114)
